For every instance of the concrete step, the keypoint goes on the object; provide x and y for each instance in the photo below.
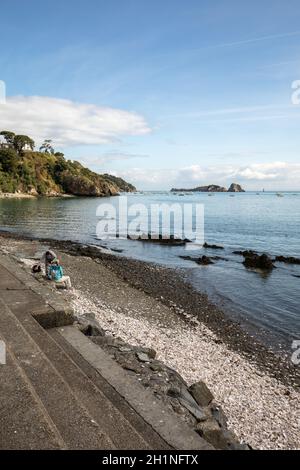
(24, 422)
(101, 399)
(113, 423)
(175, 432)
(125, 429)
(24, 298)
(75, 425)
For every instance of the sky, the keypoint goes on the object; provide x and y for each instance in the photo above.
(164, 93)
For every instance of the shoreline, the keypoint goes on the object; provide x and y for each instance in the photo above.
(167, 286)
(17, 196)
(32, 196)
(262, 410)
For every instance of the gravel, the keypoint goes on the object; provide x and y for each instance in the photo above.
(261, 411)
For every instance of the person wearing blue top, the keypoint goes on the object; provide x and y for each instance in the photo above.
(55, 273)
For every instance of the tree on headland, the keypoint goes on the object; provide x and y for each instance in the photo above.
(21, 142)
(47, 147)
(8, 136)
(17, 142)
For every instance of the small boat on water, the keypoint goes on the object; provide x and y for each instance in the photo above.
(279, 195)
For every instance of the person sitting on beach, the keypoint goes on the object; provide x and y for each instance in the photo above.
(55, 273)
(48, 257)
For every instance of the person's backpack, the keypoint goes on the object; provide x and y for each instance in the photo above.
(36, 268)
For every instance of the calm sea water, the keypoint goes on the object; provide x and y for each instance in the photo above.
(266, 304)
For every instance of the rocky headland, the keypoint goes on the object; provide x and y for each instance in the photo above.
(28, 173)
(212, 188)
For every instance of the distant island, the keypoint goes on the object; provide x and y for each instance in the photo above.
(212, 188)
(45, 172)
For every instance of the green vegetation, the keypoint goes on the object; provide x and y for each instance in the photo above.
(18, 142)
(48, 173)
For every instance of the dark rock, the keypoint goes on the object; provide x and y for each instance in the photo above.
(287, 259)
(143, 357)
(221, 439)
(218, 341)
(211, 431)
(259, 261)
(204, 260)
(236, 188)
(174, 392)
(199, 414)
(235, 445)
(151, 353)
(92, 330)
(189, 258)
(177, 407)
(124, 349)
(89, 326)
(175, 377)
(217, 258)
(214, 247)
(187, 401)
(106, 341)
(254, 260)
(201, 393)
(158, 238)
(245, 253)
(156, 366)
(128, 363)
(219, 415)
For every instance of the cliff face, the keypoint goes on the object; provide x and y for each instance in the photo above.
(40, 173)
(236, 188)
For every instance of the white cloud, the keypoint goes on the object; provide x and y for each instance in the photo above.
(274, 175)
(69, 123)
(266, 171)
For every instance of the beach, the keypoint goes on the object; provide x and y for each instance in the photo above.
(16, 196)
(150, 305)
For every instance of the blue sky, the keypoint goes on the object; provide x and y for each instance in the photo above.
(160, 92)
